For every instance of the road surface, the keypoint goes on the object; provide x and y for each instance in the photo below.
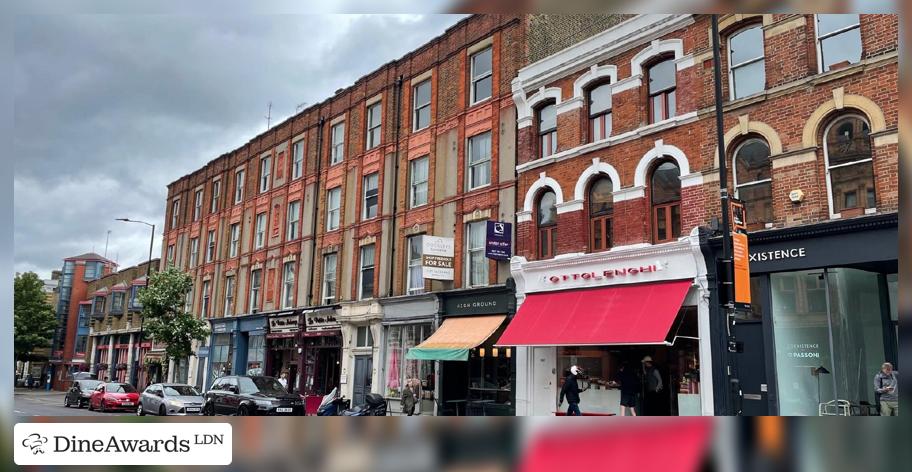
(42, 403)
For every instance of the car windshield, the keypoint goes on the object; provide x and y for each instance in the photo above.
(180, 390)
(89, 384)
(120, 388)
(264, 385)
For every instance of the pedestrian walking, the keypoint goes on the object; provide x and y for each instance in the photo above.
(652, 383)
(409, 398)
(283, 379)
(29, 380)
(886, 385)
(571, 391)
(630, 389)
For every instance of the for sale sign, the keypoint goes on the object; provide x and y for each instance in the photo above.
(437, 257)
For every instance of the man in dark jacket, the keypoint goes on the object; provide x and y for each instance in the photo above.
(571, 390)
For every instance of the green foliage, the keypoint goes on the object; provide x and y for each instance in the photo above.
(164, 317)
(34, 318)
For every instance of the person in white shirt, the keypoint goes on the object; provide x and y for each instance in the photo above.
(283, 379)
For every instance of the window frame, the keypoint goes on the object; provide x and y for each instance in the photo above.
(821, 68)
(548, 231)
(368, 336)
(411, 262)
(828, 168)
(370, 139)
(228, 310)
(216, 193)
(194, 251)
(732, 86)
(175, 212)
(297, 159)
(417, 107)
(265, 173)
(197, 205)
(473, 79)
(469, 251)
(604, 219)
(256, 275)
(666, 207)
(550, 133)
(739, 185)
(665, 93)
(329, 284)
(486, 160)
(365, 265)
(337, 149)
(235, 239)
(331, 211)
(288, 285)
(606, 117)
(259, 231)
(210, 246)
(239, 186)
(414, 184)
(204, 305)
(293, 217)
(365, 207)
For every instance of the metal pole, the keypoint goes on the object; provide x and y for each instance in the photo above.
(141, 317)
(726, 298)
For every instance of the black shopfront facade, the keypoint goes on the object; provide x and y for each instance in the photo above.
(823, 318)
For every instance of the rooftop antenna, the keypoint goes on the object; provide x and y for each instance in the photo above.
(268, 114)
(300, 107)
(107, 238)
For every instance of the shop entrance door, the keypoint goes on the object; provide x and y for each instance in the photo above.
(751, 364)
(544, 367)
(363, 370)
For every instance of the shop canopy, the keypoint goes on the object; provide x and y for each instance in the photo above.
(628, 314)
(455, 337)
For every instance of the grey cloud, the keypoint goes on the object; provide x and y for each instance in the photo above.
(108, 109)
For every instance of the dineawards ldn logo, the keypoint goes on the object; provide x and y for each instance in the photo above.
(122, 444)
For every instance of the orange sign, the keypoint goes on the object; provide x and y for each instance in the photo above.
(742, 269)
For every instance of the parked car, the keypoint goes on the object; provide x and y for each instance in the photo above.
(82, 376)
(170, 399)
(114, 396)
(246, 395)
(80, 393)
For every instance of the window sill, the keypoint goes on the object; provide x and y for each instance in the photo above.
(478, 102)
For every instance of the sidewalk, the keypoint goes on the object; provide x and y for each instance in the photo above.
(36, 392)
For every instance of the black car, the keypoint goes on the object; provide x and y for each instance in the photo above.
(249, 395)
(80, 392)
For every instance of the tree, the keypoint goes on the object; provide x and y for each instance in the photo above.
(34, 318)
(164, 317)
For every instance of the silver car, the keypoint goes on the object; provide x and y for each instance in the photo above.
(170, 399)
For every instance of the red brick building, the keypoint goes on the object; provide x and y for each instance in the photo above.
(617, 158)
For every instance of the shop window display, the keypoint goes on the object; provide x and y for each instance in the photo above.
(400, 370)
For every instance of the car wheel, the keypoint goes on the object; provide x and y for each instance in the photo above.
(242, 411)
(91, 408)
(161, 411)
(101, 407)
(82, 403)
(66, 401)
(208, 410)
(139, 410)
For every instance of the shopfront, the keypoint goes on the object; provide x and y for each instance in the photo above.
(238, 346)
(607, 310)
(321, 351)
(475, 376)
(407, 322)
(282, 347)
(823, 319)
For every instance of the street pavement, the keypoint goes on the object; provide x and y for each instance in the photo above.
(42, 403)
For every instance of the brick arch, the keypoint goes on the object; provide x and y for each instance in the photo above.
(654, 49)
(856, 103)
(597, 168)
(659, 151)
(746, 127)
(540, 184)
(594, 74)
(525, 106)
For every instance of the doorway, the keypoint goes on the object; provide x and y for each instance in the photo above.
(363, 378)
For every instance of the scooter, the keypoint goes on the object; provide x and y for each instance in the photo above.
(332, 404)
(375, 405)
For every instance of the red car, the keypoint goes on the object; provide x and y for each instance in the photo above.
(114, 396)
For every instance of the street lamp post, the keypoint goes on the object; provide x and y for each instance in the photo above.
(135, 375)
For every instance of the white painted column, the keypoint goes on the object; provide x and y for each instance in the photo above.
(130, 359)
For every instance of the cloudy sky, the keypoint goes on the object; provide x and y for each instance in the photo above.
(109, 109)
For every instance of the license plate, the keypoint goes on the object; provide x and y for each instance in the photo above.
(192, 410)
(127, 403)
(283, 410)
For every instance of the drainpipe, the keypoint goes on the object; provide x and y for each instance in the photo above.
(316, 197)
(393, 231)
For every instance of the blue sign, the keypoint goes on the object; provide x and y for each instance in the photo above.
(499, 242)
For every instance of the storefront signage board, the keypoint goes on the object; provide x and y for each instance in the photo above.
(437, 257)
(320, 321)
(498, 244)
(283, 324)
(480, 304)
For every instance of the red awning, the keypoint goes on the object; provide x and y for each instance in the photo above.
(628, 314)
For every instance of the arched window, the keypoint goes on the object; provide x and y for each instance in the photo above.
(600, 112)
(601, 204)
(665, 190)
(547, 130)
(547, 225)
(850, 167)
(753, 185)
(661, 90)
(746, 66)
